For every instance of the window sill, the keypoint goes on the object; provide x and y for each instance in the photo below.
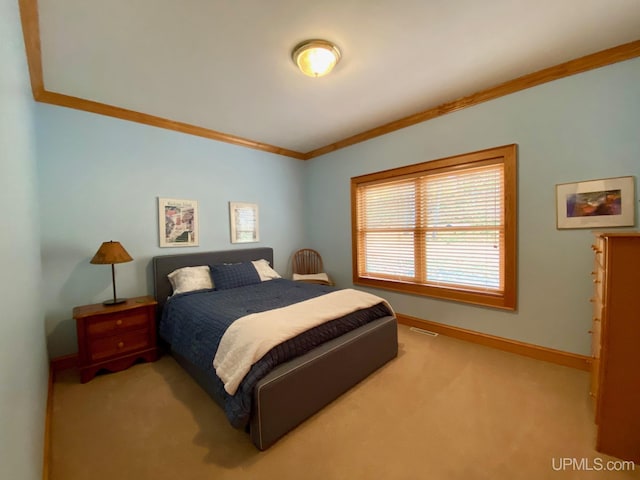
(504, 301)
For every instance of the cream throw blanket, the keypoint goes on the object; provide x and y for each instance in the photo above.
(249, 338)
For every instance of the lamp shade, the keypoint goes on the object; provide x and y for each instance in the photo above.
(111, 252)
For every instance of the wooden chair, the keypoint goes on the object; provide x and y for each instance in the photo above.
(308, 262)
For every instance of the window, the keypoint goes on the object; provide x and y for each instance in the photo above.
(444, 228)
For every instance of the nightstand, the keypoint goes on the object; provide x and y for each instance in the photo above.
(114, 337)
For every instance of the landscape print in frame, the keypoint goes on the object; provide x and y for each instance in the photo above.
(604, 203)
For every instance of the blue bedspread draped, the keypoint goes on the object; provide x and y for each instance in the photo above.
(193, 323)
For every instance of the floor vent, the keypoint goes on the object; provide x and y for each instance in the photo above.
(423, 332)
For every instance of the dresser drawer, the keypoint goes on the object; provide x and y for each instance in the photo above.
(113, 345)
(110, 324)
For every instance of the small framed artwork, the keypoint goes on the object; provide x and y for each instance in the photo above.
(244, 222)
(609, 202)
(178, 222)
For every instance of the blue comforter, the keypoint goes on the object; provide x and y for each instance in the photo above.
(193, 323)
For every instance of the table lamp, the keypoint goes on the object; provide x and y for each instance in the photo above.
(110, 253)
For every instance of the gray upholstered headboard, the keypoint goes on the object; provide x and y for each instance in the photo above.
(165, 264)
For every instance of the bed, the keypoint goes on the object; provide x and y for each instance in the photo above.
(277, 396)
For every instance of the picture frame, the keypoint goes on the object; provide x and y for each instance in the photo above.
(178, 222)
(603, 203)
(244, 222)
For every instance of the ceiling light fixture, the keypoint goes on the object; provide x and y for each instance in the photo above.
(315, 57)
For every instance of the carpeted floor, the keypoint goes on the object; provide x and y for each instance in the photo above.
(444, 409)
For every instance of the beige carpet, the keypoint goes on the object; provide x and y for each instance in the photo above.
(444, 409)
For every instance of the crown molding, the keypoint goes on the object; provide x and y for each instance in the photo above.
(30, 27)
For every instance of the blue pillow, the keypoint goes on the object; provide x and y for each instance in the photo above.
(233, 275)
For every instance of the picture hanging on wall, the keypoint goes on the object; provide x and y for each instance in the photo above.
(244, 222)
(178, 222)
(609, 202)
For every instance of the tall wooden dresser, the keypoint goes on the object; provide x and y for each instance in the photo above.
(615, 374)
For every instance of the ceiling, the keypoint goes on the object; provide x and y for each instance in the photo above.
(225, 65)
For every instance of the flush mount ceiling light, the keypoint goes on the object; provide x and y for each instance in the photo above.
(315, 57)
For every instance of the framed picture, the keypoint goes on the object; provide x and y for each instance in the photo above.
(609, 202)
(178, 222)
(244, 222)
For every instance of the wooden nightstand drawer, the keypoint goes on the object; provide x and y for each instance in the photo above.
(110, 324)
(105, 347)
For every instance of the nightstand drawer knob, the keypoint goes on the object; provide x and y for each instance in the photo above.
(120, 344)
(119, 322)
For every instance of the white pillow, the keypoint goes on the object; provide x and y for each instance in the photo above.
(311, 276)
(188, 279)
(264, 270)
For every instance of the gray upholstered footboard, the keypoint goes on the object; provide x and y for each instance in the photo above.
(297, 389)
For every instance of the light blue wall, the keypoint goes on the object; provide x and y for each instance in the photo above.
(579, 128)
(23, 353)
(99, 180)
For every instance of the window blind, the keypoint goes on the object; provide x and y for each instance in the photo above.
(434, 228)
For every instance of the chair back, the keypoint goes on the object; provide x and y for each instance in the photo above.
(307, 261)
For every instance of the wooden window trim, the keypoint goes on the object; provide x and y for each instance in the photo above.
(507, 299)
